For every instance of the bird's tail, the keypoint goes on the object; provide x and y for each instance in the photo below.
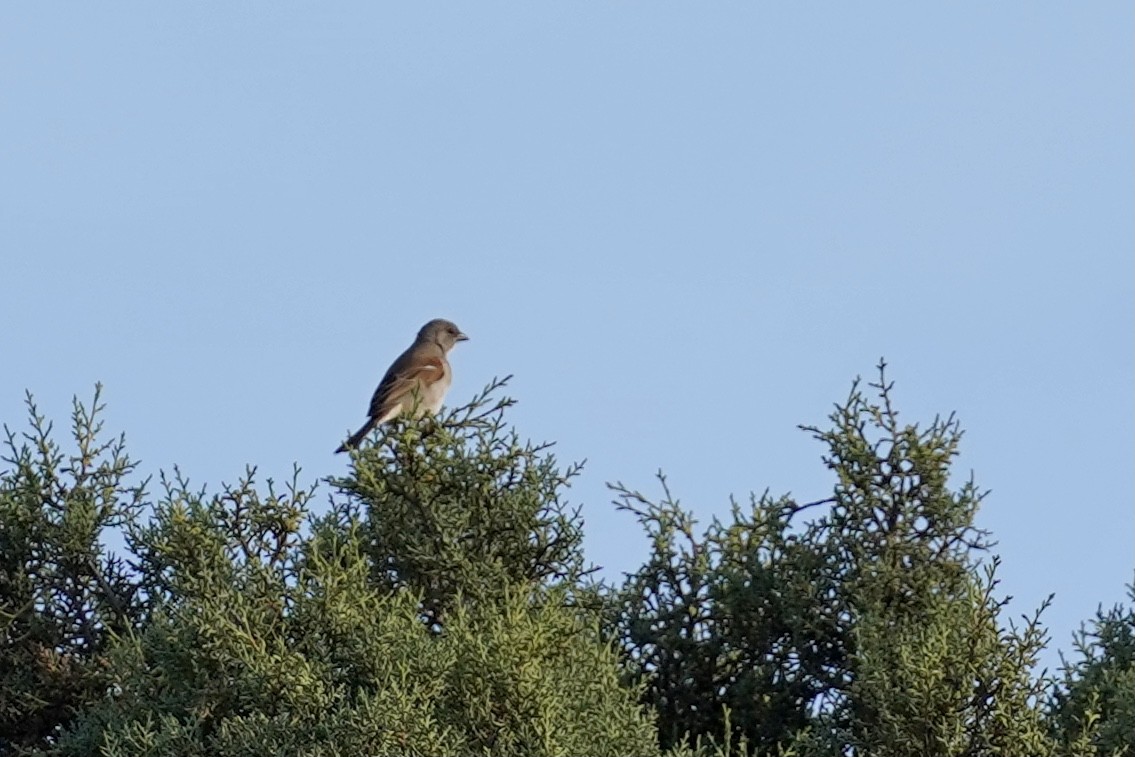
(356, 437)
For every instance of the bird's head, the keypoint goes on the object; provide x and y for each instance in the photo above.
(444, 333)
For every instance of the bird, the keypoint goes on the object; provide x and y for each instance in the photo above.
(416, 382)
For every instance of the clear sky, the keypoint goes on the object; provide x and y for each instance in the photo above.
(685, 228)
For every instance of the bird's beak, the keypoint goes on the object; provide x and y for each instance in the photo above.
(461, 337)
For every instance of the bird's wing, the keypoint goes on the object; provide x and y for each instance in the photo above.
(412, 370)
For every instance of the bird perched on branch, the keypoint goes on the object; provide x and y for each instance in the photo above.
(416, 382)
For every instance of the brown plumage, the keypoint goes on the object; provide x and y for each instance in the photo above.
(417, 381)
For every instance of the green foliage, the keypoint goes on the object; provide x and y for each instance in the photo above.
(869, 628)
(461, 506)
(1094, 702)
(62, 595)
(947, 679)
(434, 610)
(441, 605)
(323, 662)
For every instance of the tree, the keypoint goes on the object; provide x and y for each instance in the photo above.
(63, 597)
(435, 610)
(863, 623)
(441, 605)
(1094, 702)
(463, 507)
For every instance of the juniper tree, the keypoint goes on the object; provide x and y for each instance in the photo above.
(1094, 701)
(442, 605)
(462, 505)
(433, 610)
(63, 595)
(863, 623)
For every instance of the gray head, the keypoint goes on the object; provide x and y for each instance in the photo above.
(444, 333)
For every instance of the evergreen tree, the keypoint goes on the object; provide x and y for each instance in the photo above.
(1095, 700)
(434, 611)
(860, 624)
(463, 506)
(442, 606)
(63, 597)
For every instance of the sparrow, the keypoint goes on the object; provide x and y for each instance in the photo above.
(416, 382)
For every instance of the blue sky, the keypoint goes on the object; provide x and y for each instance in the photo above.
(684, 228)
